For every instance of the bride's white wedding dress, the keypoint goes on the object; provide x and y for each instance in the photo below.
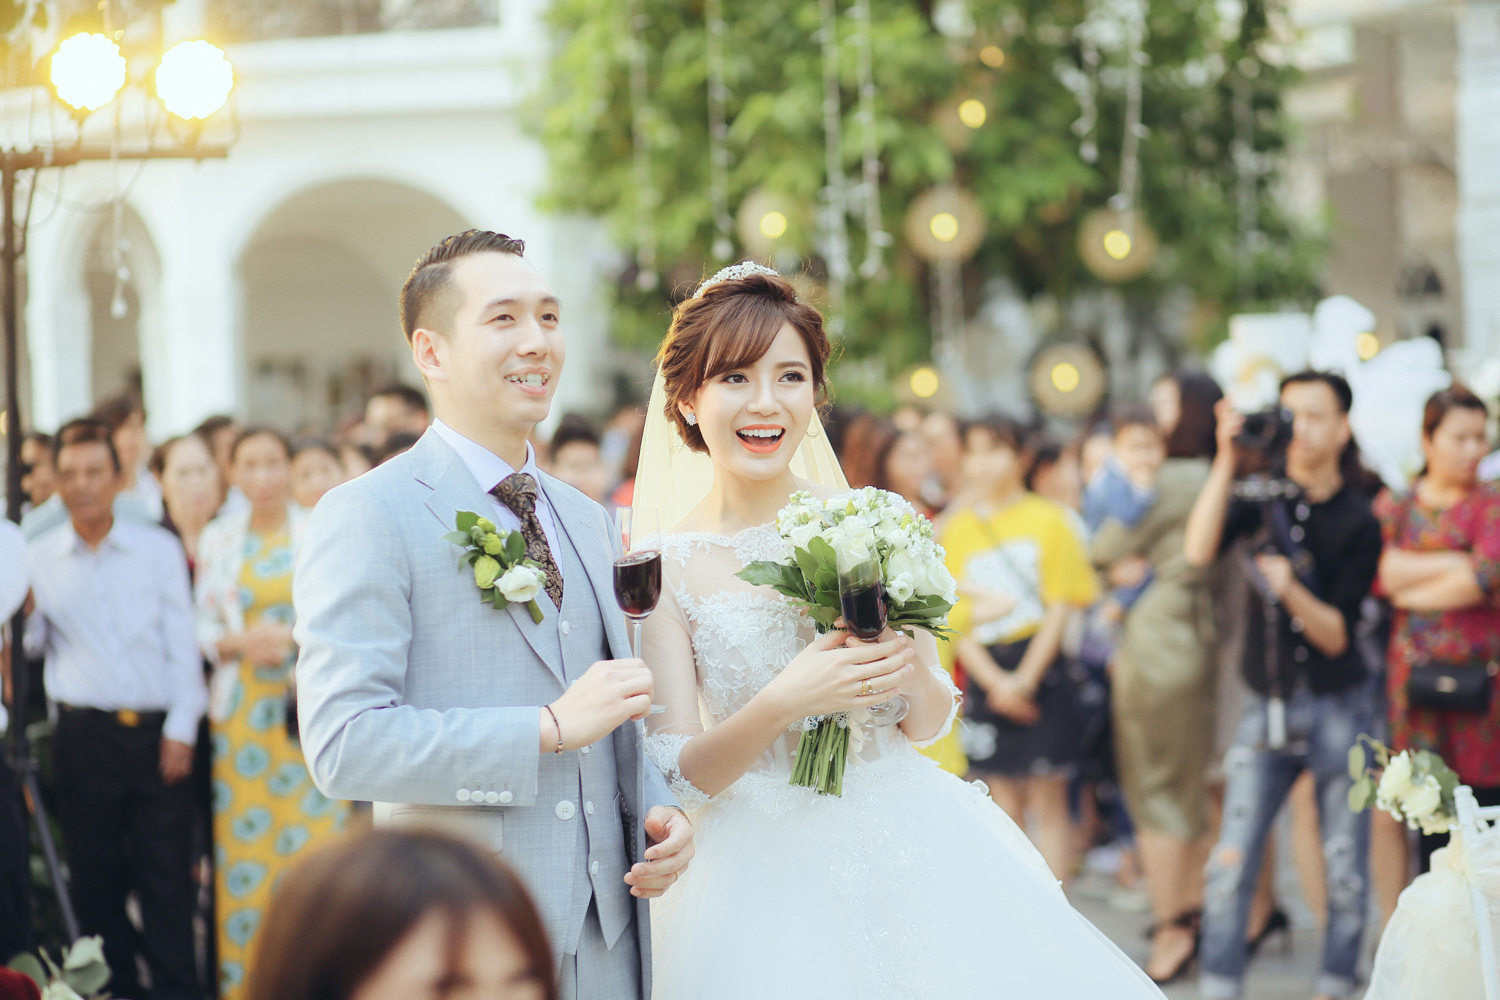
(913, 884)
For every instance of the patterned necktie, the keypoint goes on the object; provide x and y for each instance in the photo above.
(518, 493)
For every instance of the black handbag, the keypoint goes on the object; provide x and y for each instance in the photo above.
(1465, 687)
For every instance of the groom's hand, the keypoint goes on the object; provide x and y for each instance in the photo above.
(598, 703)
(671, 837)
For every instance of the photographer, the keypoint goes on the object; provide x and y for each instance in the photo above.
(1318, 548)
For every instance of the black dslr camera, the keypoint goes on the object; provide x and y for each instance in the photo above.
(1262, 441)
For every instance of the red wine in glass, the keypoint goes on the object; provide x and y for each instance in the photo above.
(638, 583)
(864, 609)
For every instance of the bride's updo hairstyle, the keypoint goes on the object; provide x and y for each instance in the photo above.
(729, 325)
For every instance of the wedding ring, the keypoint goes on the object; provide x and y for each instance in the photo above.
(864, 688)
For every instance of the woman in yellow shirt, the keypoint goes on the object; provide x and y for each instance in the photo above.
(1022, 571)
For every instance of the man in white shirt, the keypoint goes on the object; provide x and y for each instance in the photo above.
(15, 874)
(114, 619)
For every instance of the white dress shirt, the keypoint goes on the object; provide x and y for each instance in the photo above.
(13, 585)
(488, 469)
(116, 624)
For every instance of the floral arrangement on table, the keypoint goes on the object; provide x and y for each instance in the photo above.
(868, 525)
(83, 971)
(502, 572)
(1416, 788)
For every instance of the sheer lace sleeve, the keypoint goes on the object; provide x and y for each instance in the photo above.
(926, 648)
(667, 648)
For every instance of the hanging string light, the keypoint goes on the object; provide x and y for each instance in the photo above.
(640, 123)
(877, 239)
(718, 132)
(835, 203)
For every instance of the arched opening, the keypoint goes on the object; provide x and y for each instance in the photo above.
(319, 281)
(120, 278)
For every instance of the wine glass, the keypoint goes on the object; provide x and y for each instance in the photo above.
(862, 598)
(637, 566)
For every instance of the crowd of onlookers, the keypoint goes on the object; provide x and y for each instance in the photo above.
(1156, 656)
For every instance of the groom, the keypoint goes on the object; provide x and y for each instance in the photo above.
(446, 712)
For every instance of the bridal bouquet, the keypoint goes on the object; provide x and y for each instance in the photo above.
(869, 525)
(1416, 788)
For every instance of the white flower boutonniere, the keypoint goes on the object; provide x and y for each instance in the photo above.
(502, 572)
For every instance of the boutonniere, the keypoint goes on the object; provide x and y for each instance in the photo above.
(502, 572)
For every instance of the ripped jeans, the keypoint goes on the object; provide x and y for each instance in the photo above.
(1320, 730)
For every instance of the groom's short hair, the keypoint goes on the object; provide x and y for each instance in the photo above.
(433, 274)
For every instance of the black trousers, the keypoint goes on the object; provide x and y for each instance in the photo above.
(15, 866)
(125, 830)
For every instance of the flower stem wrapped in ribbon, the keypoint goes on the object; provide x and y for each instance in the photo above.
(1416, 788)
(502, 572)
(867, 524)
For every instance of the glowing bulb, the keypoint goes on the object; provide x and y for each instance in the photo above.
(1117, 244)
(992, 56)
(944, 227)
(1065, 377)
(88, 71)
(772, 225)
(194, 79)
(1366, 345)
(924, 383)
(972, 113)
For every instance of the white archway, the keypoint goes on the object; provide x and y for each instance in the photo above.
(318, 280)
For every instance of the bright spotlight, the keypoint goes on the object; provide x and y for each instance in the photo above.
(1366, 345)
(88, 71)
(1117, 244)
(1065, 377)
(924, 383)
(772, 225)
(972, 113)
(194, 79)
(944, 227)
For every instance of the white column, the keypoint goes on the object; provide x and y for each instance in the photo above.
(58, 335)
(1479, 176)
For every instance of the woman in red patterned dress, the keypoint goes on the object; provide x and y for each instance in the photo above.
(1441, 571)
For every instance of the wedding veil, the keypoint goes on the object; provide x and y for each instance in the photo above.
(674, 479)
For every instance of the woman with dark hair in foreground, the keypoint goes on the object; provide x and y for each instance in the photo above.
(392, 915)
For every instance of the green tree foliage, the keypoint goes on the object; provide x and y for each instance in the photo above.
(1205, 62)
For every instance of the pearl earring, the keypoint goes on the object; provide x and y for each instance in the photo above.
(692, 419)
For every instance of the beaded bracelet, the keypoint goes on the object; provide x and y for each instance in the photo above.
(555, 725)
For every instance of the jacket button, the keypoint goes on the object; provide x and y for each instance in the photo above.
(583, 750)
(594, 868)
(505, 798)
(565, 809)
(564, 627)
(463, 795)
(588, 807)
(491, 798)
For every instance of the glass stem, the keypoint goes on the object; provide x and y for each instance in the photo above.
(635, 638)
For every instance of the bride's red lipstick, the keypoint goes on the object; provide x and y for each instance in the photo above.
(761, 445)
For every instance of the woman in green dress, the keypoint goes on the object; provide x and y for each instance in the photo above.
(266, 809)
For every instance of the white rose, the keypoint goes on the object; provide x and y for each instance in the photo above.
(901, 587)
(803, 533)
(1423, 800)
(521, 583)
(938, 582)
(853, 542)
(1394, 781)
(1434, 824)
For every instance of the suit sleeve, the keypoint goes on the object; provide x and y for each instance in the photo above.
(354, 626)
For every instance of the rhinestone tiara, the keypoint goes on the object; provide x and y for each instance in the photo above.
(734, 272)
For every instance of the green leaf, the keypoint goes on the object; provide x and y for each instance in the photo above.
(88, 980)
(820, 550)
(498, 601)
(29, 965)
(763, 573)
(457, 537)
(1361, 794)
(1356, 762)
(515, 546)
(465, 520)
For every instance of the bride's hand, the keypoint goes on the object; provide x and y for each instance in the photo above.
(828, 676)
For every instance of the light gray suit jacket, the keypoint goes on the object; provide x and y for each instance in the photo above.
(412, 691)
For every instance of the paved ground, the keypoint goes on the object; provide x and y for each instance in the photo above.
(1282, 970)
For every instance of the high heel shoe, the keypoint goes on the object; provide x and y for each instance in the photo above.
(1277, 922)
(1188, 921)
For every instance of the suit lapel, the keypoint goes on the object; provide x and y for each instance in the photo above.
(453, 487)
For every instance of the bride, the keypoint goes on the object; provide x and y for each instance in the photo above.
(912, 884)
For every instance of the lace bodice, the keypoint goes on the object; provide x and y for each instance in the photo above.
(715, 641)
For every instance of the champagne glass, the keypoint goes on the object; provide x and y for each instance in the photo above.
(637, 566)
(862, 598)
